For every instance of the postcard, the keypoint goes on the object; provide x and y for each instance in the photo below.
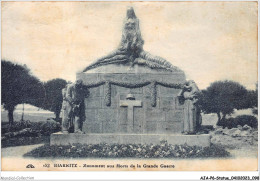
(129, 86)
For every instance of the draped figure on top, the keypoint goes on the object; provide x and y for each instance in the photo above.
(130, 50)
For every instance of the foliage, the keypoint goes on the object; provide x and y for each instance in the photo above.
(38, 128)
(162, 150)
(49, 127)
(19, 86)
(17, 126)
(255, 111)
(239, 120)
(251, 99)
(222, 97)
(38, 132)
(53, 101)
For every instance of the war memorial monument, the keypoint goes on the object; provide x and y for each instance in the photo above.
(131, 96)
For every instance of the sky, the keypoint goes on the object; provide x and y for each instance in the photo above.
(209, 41)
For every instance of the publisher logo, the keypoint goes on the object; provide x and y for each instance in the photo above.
(30, 166)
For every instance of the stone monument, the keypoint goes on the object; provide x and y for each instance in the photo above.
(136, 97)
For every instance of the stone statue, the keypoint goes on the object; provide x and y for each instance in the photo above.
(130, 50)
(189, 97)
(65, 116)
(73, 106)
(190, 91)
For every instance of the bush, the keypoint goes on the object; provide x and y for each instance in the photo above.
(44, 128)
(239, 120)
(247, 119)
(49, 127)
(17, 126)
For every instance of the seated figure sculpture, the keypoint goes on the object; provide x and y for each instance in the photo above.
(130, 51)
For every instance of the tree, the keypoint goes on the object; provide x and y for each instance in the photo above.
(18, 86)
(54, 98)
(252, 100)
(222, 97)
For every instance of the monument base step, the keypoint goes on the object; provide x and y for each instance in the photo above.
(191, 140)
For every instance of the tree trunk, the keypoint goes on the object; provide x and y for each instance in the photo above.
(219, 119)
(22, 113)
(224, 116)
(11, 116)
(57, 116)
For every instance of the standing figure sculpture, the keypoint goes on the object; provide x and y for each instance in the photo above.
(74, 107)
(189, 97)
(65, 116)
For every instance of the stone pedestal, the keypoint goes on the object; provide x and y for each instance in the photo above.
(156, 109)
(191, 140)
(152, 115)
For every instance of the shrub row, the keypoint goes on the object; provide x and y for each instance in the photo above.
(163, 150)
(239, 120)
(44, 128)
